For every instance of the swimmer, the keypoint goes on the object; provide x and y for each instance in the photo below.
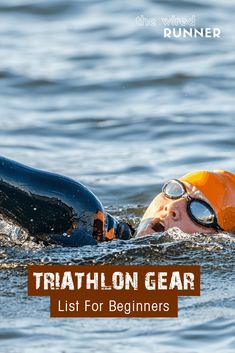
(201, 201)
(55, 209)
(58, 210)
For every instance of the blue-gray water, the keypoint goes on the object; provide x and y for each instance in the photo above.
(87, 93)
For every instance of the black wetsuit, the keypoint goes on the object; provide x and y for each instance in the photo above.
(54, 208)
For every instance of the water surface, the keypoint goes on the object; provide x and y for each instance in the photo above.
(87, 93)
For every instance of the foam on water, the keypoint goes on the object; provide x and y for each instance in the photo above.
(172, 246)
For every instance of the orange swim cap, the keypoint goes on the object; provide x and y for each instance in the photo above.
(219, 189)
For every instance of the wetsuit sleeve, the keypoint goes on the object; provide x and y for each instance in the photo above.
(124, 231)
(118, 230)
(55, 209)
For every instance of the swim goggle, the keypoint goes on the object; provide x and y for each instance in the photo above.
(198, 210)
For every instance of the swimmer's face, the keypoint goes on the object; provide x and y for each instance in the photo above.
(164, 213)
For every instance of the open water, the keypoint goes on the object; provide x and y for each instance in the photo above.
(88, 93)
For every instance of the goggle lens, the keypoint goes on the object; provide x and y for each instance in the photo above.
(173, 189)
(201, 212)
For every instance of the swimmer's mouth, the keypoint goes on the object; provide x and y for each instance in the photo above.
(158, 227)
(147, 227)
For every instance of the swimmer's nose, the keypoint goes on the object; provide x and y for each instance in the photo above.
(173, 210)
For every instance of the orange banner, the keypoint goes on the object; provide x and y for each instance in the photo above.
(113, 291)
